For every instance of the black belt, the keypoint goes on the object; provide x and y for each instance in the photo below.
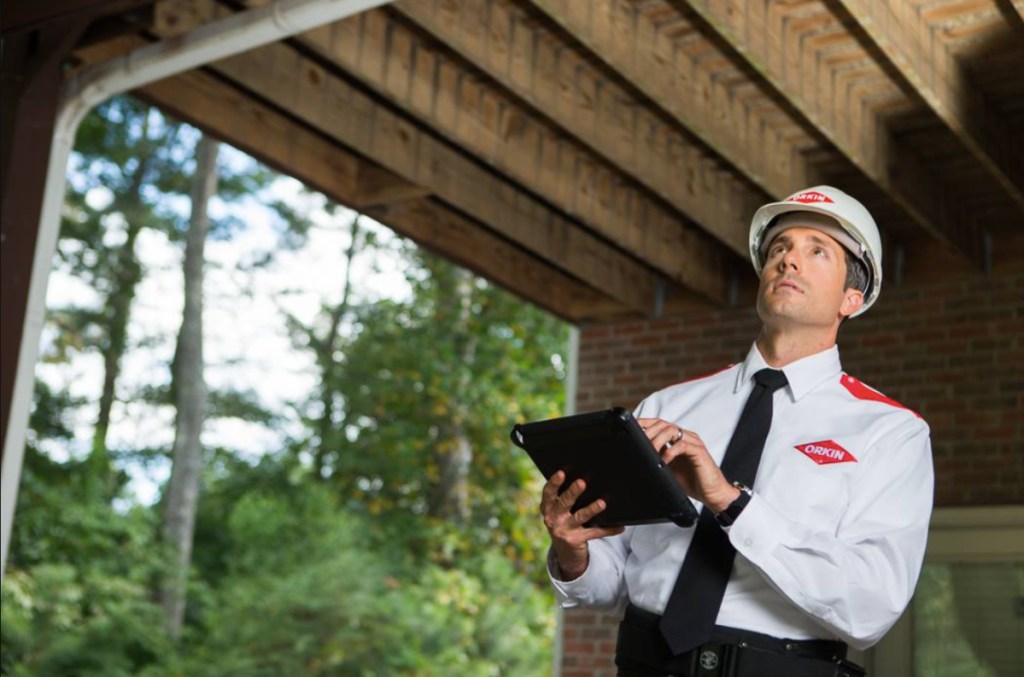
(731, 652)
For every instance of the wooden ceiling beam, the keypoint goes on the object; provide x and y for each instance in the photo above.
(923, 65)
(1013, 12)
(22, 16)
(335, 108)
(420, 77)
(822, 96)
(534, 63)
(280, 142)
(379, 187)
(468, 243)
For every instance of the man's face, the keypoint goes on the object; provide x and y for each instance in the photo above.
(804, 281)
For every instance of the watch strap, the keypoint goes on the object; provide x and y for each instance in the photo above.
(731, 513)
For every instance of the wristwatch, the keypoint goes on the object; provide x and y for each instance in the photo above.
(729, 515)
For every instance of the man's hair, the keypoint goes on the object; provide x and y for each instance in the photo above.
(856, 272)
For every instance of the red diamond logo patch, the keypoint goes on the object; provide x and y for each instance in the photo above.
(809, 197)
(826, 452)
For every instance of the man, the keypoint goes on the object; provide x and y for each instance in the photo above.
(816, 489)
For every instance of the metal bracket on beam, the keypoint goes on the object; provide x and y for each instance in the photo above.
(898, 264)
(986, 251)
(734, 286)
(660, 290)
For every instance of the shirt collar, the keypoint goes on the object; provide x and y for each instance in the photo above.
(803, 375)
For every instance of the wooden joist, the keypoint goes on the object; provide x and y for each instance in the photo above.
(1013, 10)
(838, 91)
(313, 159)
(468, 243)
(277, 139)
(625, 143)
(418, 76)
(561, 82)
(924, 65)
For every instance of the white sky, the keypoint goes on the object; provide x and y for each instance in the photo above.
(246, 343)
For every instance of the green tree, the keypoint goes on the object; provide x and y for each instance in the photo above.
(431, 386)
(125, 161)
(77, 591)
(396, 533)
(131, 166)
(306, 589)
(78, 595)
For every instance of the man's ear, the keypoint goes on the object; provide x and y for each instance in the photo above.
(853, 299)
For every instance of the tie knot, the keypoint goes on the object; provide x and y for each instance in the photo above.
(772, 379)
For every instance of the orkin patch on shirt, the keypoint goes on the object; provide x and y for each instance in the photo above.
(826, 452)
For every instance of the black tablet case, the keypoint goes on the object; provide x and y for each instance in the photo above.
(609, 450)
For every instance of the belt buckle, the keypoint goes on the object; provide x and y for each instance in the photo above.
(710, 659)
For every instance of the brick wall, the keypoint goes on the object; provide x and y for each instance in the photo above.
(953, 351)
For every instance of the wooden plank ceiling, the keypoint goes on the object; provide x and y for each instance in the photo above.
(602, 158)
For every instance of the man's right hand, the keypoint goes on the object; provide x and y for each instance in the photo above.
(568, 535)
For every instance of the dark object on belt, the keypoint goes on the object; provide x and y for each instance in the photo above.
(642, 652)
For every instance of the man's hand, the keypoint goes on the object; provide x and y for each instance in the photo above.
(568, 535)
(683, 451)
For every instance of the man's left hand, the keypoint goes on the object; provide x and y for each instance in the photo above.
(683, 451)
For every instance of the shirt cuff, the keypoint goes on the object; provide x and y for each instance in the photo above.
(568, 592)
(758, 530)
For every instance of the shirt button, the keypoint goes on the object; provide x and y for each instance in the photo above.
(748, 542)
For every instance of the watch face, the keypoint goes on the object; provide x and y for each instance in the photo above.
(742, 487)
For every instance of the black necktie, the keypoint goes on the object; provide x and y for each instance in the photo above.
(697, 595)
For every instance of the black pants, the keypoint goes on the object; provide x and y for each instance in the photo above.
(642, 652)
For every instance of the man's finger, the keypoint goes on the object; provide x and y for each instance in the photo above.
(690, 436)
(683, 447)
(550, 491)
(600, 532)
(553, 483)
(569, 496)
(653, 426)
(668, 436)
(587, 512)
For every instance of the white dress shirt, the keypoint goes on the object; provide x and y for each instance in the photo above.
(830, 546)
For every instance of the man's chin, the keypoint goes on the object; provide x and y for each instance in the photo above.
(780, 308)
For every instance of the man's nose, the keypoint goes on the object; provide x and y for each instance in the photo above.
(789, 259)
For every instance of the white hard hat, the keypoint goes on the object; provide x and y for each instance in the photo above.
(861, 233)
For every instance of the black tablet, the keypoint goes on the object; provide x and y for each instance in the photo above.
(609, 450)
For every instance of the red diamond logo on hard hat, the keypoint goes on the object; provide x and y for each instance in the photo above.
(809, 197)
(826, 452)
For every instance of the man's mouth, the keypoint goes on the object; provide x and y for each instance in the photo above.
(788, 284)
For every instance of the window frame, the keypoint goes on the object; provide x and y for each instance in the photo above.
(988, 534)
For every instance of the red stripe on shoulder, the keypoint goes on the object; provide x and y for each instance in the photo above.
(701, 378)
(865, 392)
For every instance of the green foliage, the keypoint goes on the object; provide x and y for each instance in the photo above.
(61, 620)
(76, 595)
(337, 555)
(310, 594)
(411, 373)
(963, 616)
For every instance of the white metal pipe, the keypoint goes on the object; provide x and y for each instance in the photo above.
(210, 42)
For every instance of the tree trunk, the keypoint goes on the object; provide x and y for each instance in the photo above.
(454, 452)
(182, 495)
(117, 312)
(325, 356)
